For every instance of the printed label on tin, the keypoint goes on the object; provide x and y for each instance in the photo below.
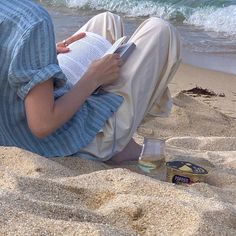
(177, 179)
(186, 167)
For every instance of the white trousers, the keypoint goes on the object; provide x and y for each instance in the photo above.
(143, 80)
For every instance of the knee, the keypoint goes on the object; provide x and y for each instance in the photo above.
(162, 28)
(158, 25)
(108, 15)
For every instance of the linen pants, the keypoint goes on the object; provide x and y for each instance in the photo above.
(143, 80)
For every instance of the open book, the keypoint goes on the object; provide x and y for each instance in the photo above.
(92, 47)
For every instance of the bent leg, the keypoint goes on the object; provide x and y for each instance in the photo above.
(106, 24)
(143, 84)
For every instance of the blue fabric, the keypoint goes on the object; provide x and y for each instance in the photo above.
(27, 58)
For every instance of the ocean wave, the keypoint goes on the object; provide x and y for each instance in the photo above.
(218, 16)
(218, 20)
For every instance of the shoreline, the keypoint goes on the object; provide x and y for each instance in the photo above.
(68, 21)
(221, 62)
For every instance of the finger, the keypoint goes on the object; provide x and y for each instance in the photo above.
(75, 37)
(117, 59)
(60, 44)
(116, 56)
(62, 50)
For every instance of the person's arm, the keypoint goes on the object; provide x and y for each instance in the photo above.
(45, 115)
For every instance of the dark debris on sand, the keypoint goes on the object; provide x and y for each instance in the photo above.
(198, 91)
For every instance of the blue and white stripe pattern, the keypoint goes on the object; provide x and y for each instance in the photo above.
(27, 58)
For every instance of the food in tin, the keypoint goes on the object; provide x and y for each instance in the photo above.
(183, 172)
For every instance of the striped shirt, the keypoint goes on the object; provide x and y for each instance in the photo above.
(28, 57)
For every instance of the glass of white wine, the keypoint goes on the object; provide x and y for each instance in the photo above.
(152, 155)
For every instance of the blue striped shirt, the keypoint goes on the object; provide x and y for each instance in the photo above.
(28, 57)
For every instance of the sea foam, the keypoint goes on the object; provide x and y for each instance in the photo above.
(218, 16)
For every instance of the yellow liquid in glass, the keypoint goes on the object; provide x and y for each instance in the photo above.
(150, 163)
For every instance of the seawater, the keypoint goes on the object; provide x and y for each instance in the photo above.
(214, 15)
(206, 26)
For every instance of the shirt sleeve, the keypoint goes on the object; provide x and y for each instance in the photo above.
(34, 59)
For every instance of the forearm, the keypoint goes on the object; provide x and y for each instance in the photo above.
(49, 115)
(67, 105)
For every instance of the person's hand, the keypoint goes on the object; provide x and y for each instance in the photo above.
(62, 47)
(105, 70)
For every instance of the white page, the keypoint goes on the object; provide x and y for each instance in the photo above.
(82, 53)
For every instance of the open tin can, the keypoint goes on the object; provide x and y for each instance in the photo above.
(183, 172)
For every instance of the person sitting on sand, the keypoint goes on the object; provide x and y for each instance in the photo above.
(43, 113)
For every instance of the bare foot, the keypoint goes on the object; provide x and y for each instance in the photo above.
(130, 153)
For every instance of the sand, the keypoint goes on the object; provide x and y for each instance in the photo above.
(71, 196)
(188, 77)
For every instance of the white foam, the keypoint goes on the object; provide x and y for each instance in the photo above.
(210, 18)
(218, 20)
(131, 8)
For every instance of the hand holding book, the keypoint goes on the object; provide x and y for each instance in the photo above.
(87, 50)
(105, 70)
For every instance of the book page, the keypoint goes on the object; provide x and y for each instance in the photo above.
(82, 52)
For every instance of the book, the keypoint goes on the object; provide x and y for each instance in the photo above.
(84, 51)
(125, 50)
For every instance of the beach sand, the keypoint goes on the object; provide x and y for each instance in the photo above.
(71, 196)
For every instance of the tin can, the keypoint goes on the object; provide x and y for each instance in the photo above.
(183, 172)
